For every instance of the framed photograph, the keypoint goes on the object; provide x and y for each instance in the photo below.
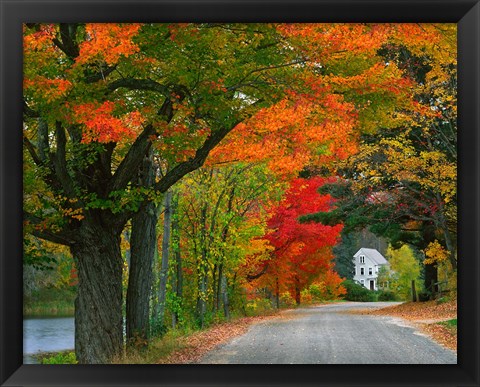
(240, 193)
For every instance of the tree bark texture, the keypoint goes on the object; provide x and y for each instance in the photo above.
(143, 243)
(98, 306)
(143, 246)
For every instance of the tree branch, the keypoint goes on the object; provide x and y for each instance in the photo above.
(60, 162)
(193, 163)
(139, 84)
(68, 44)
(131, 162)
(61, 238)
(29, 112)
(31, 149)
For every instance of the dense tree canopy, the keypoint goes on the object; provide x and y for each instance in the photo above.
(213, 125)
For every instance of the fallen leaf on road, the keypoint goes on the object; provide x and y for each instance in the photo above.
(198, 344)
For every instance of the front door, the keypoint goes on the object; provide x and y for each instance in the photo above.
(372, 285)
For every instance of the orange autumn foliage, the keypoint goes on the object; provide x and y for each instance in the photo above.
(108, 42)
(293, 133)
(102, 126)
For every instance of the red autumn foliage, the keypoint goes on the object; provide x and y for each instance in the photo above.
(302, 250)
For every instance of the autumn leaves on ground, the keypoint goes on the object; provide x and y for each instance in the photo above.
(437, 319)
(182, 176)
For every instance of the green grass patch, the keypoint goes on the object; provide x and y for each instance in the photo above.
(450, 323)
(65, 357)
(50, 303)
(157, 349)
(49, 309)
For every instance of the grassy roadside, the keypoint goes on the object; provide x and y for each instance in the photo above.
(180, 347)
(187, 346)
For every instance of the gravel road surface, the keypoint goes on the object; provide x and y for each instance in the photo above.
(326, 334)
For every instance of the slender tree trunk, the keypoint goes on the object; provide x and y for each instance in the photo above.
(201, 299)
(202, 268)
(98, 306)
(218, 289)
(297, 291)
(224, 295)
(215, 286)
(277, 293)
(176, 253)
(430, 270)
(126, 235)
(167, 222)
(452, 256)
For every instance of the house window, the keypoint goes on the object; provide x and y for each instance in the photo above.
(370, 271)
(362, 258)
(362, 282)
(362, 271)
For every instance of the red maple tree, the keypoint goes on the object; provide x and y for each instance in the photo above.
(302, 250)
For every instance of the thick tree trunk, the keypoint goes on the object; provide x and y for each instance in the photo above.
(143, 244)
(160, 310)
(143, 247)
(98, 306)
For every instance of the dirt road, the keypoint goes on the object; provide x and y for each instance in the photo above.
(328, 334)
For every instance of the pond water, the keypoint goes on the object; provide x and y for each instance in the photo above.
(47, 335)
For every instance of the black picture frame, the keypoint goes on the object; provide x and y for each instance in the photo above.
(13, 13)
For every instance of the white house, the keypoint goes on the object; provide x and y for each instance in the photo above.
(367, 263)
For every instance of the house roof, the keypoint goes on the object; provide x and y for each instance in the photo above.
(373, 254)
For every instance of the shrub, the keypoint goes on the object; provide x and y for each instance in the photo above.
(286, 300)
(157, 328)
(424, 296)
(316, 292)
(259, 306)
(60, 358)
(307, 297)
(387, 295)
(356, 292)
